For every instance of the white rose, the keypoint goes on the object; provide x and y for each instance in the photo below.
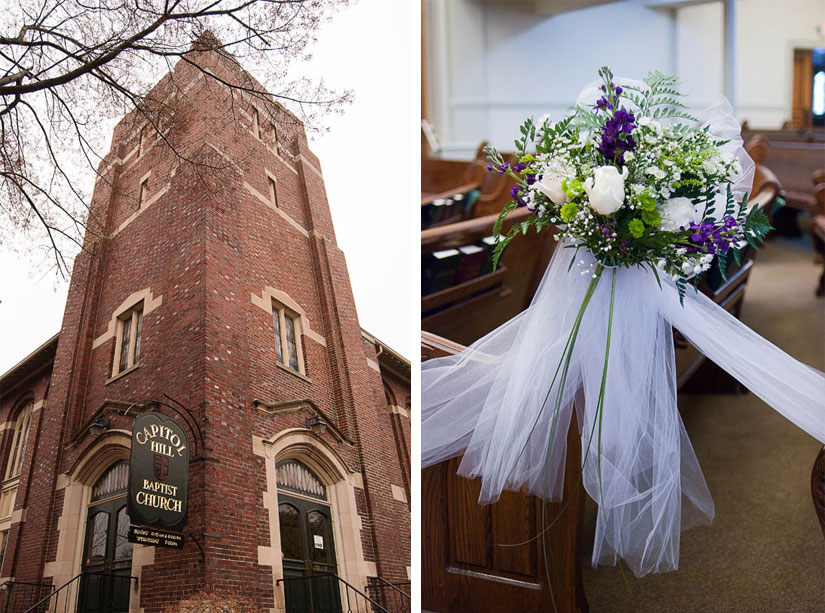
(676, 213)
(550, 186)
(605, 189)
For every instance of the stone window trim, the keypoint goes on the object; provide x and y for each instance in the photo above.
(288, 318)
(270, 297)
(128, 330)
(268, 202)
(113, 331)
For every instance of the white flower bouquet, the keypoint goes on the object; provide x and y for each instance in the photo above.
(648, 194)
(634, 179)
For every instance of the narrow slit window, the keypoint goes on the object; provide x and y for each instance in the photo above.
(142, 196)
(124, 346)
(139, 317)
(276, 320)
(256, 126)
(273, 192)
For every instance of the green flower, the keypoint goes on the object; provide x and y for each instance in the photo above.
(636, 228)
(568, 212)
(647, 202)
(573, 188)
(526, 158)
(651, 218)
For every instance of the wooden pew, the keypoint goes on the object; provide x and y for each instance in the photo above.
(818, 487)
(449, 176)
(818, 228)
(467, 311)
(443, 178)
(794, 135)
(465, 568)
(793, 163)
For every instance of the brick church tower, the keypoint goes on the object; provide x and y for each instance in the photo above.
(211, 289)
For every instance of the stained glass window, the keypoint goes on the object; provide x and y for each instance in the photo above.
(295, 477)
(114, 481)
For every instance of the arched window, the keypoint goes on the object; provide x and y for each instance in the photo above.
(18, 444)
(296, 478)
(113, 482)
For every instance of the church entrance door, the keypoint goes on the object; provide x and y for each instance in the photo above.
(107, 555)
(308, 553)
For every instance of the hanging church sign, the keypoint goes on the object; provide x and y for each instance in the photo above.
(158, 473)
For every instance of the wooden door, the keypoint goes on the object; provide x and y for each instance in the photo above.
(308, 555)
(802, 88)
(107, 555)
(466, 565)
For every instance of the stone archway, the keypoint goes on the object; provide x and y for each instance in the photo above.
(331, 469)
(112, 447)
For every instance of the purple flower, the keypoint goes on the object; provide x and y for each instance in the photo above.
(514, 192)
(707, 237)
(616, 139)
(519, 167)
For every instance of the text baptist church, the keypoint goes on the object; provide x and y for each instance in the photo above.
(218, 300)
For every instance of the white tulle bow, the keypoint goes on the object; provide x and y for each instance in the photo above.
(490, 402)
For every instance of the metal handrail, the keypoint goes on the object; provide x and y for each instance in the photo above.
(8, 592)
(393, 586)
(344, 581)
(72, 580)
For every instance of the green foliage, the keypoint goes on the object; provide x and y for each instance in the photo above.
(756, 227)
(660, 99)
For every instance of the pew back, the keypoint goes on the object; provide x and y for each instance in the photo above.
(468, 310)
(465, 563)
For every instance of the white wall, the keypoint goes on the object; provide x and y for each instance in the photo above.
(490, 66)
(768, 32)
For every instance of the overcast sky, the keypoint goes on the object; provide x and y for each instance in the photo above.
(370, 163)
